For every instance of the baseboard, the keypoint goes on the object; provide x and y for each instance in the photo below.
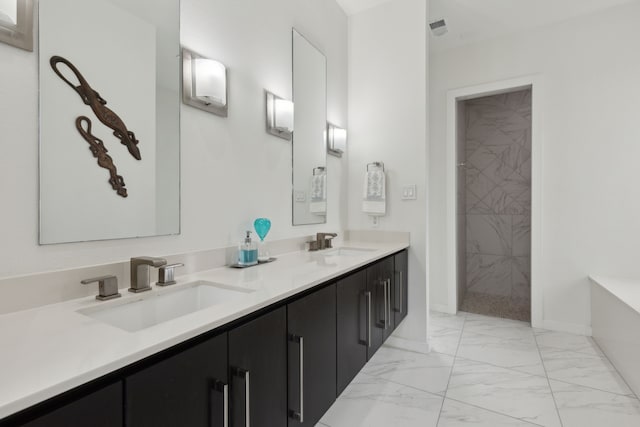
(443, 308)
(572, 328)
(406, 344)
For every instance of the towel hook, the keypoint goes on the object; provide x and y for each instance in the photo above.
(376, 164)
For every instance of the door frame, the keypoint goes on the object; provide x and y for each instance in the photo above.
(453, 96)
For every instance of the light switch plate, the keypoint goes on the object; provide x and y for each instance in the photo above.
(300, 196)
(410, 192)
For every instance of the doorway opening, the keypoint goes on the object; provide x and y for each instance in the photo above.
(493, 203)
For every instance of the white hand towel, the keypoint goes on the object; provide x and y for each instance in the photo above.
(318, 203)
(319, 187)
(374, 196)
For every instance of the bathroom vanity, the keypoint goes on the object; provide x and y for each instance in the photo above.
(277, 355)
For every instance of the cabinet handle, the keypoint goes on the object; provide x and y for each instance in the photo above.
(389, 302)
(225, 394)
(368, 296)
(300, 415)
(224, 388)
(401, 304)
(385, 289)
(243, 373)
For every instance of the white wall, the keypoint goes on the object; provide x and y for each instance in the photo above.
(387, 122)
(232, 170)
(588, 70)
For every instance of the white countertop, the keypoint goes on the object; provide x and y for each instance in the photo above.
(626, 290)
(51, 349)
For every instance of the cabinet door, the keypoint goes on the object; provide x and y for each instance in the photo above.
(311, 331)
(387, 300)
(258, 371)
(102, 408)
(380, 284)
(376, 304)
(186, 389)
(352, 327)
(401, 307)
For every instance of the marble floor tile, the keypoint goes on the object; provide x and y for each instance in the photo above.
(501, 328)
(457, 414)
(427, 372)
(566, 341)
(585, 407)
(583, 369)
(505, 391)
(512, 353)
(446, 320)
(375, 402)
(499, 377)
(444, 340)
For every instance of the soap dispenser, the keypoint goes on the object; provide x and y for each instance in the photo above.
(248, 251)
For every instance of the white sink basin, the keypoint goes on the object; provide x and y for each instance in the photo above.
(347, 251)
(159, 307)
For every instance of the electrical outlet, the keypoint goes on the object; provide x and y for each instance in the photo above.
(410, 192)
(300, 196)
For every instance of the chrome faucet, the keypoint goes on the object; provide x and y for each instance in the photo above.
(140, 272)
(323, 241)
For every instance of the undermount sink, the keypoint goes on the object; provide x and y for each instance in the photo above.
(159, 307)
(347, 251)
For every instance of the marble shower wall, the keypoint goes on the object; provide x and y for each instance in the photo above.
(498, 195)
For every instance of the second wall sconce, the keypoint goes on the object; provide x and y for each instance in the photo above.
(204, 83)
(279, 116)
(336, 140)
(16, 23)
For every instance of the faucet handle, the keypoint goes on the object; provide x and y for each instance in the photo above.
(166, 274)
(107, 287)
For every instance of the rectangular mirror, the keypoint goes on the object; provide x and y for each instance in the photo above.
(109, 119)
(309, 135)
(16, 23)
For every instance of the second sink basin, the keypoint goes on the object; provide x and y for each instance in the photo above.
(347, 251)
(157, 308)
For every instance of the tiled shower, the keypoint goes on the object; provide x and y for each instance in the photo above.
(494, 205)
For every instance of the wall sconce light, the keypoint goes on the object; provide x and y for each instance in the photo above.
(16, 23)
(204, 83)
(336, 140)
(279, 116)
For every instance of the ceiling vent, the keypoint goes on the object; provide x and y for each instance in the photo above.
(439, 27)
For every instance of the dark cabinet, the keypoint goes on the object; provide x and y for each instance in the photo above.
(101, 408)
(258, 371)
(281, 368)
(311, 331)
(352, 299)
(400, 307)
(189, 388)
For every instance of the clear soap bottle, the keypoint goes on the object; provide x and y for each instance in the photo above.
(248, 251)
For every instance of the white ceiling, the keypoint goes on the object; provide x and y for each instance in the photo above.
(351, 7)
(473, 20)
(470, 21)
